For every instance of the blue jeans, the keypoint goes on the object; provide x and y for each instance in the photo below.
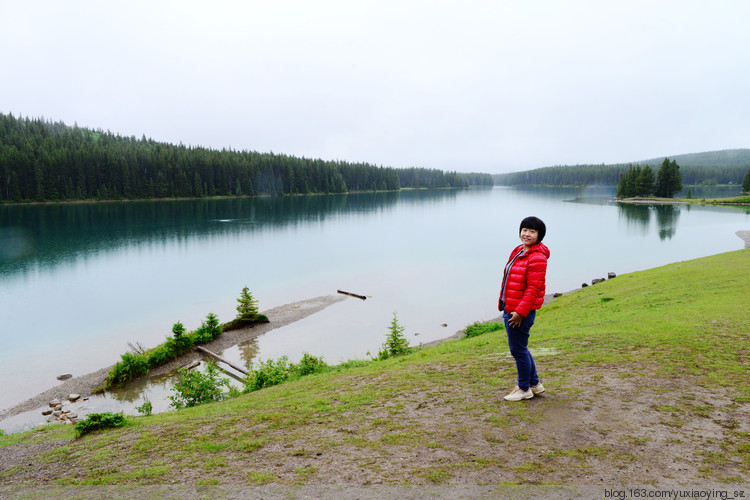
(518, 341)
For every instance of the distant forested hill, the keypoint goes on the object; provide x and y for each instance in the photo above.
(713, 167)
(43, 160)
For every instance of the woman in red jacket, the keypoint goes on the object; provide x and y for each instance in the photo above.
(521, 294)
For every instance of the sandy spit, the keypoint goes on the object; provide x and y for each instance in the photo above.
(744, 236)
(85, 384)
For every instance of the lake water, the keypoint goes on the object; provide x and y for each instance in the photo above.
(78, 282)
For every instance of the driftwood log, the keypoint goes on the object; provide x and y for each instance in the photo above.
(352, 294)
(219, 358)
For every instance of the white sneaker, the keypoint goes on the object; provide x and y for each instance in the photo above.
(517, 394)
(537, 389)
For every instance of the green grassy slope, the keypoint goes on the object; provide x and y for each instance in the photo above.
(647, 378)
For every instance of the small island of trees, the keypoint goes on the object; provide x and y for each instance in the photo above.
(639, 181)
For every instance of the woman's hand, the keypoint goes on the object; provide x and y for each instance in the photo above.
(515, 319)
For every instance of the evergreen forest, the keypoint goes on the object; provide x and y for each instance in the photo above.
(42, 160)
(713, 168)
(640, 181)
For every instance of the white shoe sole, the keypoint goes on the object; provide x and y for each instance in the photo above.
(521, 397)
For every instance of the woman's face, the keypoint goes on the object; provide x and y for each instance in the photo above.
(529, 237)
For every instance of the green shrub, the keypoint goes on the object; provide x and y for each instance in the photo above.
(268, 373)
(395, 342)
(146, 408)
(240, 323)
(96, 421)
(208, 331)
(132, 365)
(480, 328)
(161, 354)
(274, 372)
(310, 364)
(182, 343)
(195, 387)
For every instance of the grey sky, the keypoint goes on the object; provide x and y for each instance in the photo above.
(488, 86)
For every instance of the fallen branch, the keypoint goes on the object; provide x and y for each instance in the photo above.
(219, 358)
(352, 294)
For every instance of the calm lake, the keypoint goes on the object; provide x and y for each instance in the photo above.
(78, 282)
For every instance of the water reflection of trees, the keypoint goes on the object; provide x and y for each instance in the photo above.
(666, 219)
(49, 235)
(248, 351)
(639, 215)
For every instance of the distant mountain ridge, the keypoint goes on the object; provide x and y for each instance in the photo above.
(727, 166)
(721, 158)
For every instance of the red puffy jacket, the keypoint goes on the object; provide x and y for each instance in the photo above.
(525, 282)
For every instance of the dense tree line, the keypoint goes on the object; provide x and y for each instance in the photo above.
(640, 181)
(746, 182)
(43, 160)
(728, 168)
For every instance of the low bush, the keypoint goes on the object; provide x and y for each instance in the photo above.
(268, 373)
(161, 354)
(132, 365)
(310, 364)
(240, 323)
(275, 372)
(96, 421)
(182, 342)
(480, 328)
(146, 408)
(208, 331)
(195, 387)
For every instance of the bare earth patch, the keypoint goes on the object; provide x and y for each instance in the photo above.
(621, 430)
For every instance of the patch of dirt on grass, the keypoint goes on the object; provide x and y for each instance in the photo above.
(618, 429)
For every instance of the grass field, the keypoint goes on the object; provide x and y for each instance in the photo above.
(648, 384)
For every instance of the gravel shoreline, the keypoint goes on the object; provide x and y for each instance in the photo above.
(85, 384)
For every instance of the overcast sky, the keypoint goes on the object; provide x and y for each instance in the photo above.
(490, 86)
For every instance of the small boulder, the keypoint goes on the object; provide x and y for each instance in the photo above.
(72, 416)
(557, 294)
(584, 285)
(611, 275)
(47, 412)
(74, 397)
(597, 280)
(65, 376)
(54, 403)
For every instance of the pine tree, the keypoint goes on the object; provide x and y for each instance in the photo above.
(248, 307)
(645, 182)
(668, 179)
(746, 182)
(395, 342)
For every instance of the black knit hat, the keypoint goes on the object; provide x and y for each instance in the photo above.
(534, 223)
